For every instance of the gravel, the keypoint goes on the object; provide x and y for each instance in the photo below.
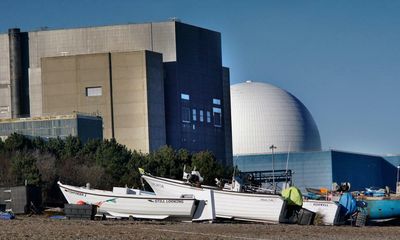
(41, 227)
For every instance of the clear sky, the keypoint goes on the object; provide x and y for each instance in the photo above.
(341, 58)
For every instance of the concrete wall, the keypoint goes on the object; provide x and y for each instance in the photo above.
(192, 64)
(5, 91)
(64, 83)
(123, 103)
(158, 37)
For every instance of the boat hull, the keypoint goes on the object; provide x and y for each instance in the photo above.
(379, 209)
(327, 209)
(124, 205)
(231, 205)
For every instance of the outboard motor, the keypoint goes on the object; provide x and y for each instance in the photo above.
(195, 178)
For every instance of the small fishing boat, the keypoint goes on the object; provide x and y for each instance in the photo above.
(382, 209)
(231, 203)
(128, 202)
(228, 204)
(328, 210)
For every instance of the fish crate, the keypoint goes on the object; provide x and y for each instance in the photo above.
(305, 217)
(83, 212)
(361, 219)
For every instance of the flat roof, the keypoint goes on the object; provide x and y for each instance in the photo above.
(51, 117)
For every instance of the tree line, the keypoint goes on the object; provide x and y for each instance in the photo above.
(102, 163)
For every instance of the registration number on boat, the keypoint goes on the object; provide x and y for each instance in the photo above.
(166, 201)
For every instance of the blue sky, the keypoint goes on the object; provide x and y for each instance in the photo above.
(340, 58)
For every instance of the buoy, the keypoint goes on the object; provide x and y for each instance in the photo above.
(80, 202)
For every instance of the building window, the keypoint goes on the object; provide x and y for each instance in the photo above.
(194, 114)
(4, 109)
(216, 101)
(208, 117)
(201, 116)
(217, 117)
(185, 96)
(93, 91)
(186, 115)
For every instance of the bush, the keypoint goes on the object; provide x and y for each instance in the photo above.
(103, 163)
(24, 168)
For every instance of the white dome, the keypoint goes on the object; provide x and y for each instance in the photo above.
(265, 115)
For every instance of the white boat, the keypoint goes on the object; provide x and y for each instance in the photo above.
(228, 204)
(128, 202)
(328, 210)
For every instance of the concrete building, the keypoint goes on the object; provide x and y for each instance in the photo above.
(125, 88)
(264, 115)
(195, 84)
(322, 168)
(76, 125)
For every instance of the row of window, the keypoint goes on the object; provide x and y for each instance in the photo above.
(186, 97)
(187, 115)
(191, 116)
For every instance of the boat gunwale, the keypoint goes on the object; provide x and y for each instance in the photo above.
(219, 191)
(121, 196)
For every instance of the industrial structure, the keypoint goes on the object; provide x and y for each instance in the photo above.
(153, 84)
(77, 125)
(273, 130)
(266, 115)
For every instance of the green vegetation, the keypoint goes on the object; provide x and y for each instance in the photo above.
(103, 163)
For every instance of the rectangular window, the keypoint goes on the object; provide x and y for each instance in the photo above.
(216, 101)
(186, 115)
(194, 114)
(185, 96)
(93, 91)
(201, 116)
(208, 117)
(4, 109)
(217, 117)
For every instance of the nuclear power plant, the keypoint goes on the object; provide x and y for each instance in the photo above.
(153, 84)
(264, 115)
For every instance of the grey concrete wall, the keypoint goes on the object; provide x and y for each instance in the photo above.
(65, 80)
(192, 64)
(124, 103)
(5, 91)
(158, 37)
(130, 100)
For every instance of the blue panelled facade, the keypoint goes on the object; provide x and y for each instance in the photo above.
(322, 168)
(362, 170)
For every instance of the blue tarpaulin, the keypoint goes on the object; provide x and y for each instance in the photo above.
(6, 216)
(348, 203)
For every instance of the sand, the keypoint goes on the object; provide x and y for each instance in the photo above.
(41, 227)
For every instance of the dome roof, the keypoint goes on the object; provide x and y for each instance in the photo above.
(265, 115)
